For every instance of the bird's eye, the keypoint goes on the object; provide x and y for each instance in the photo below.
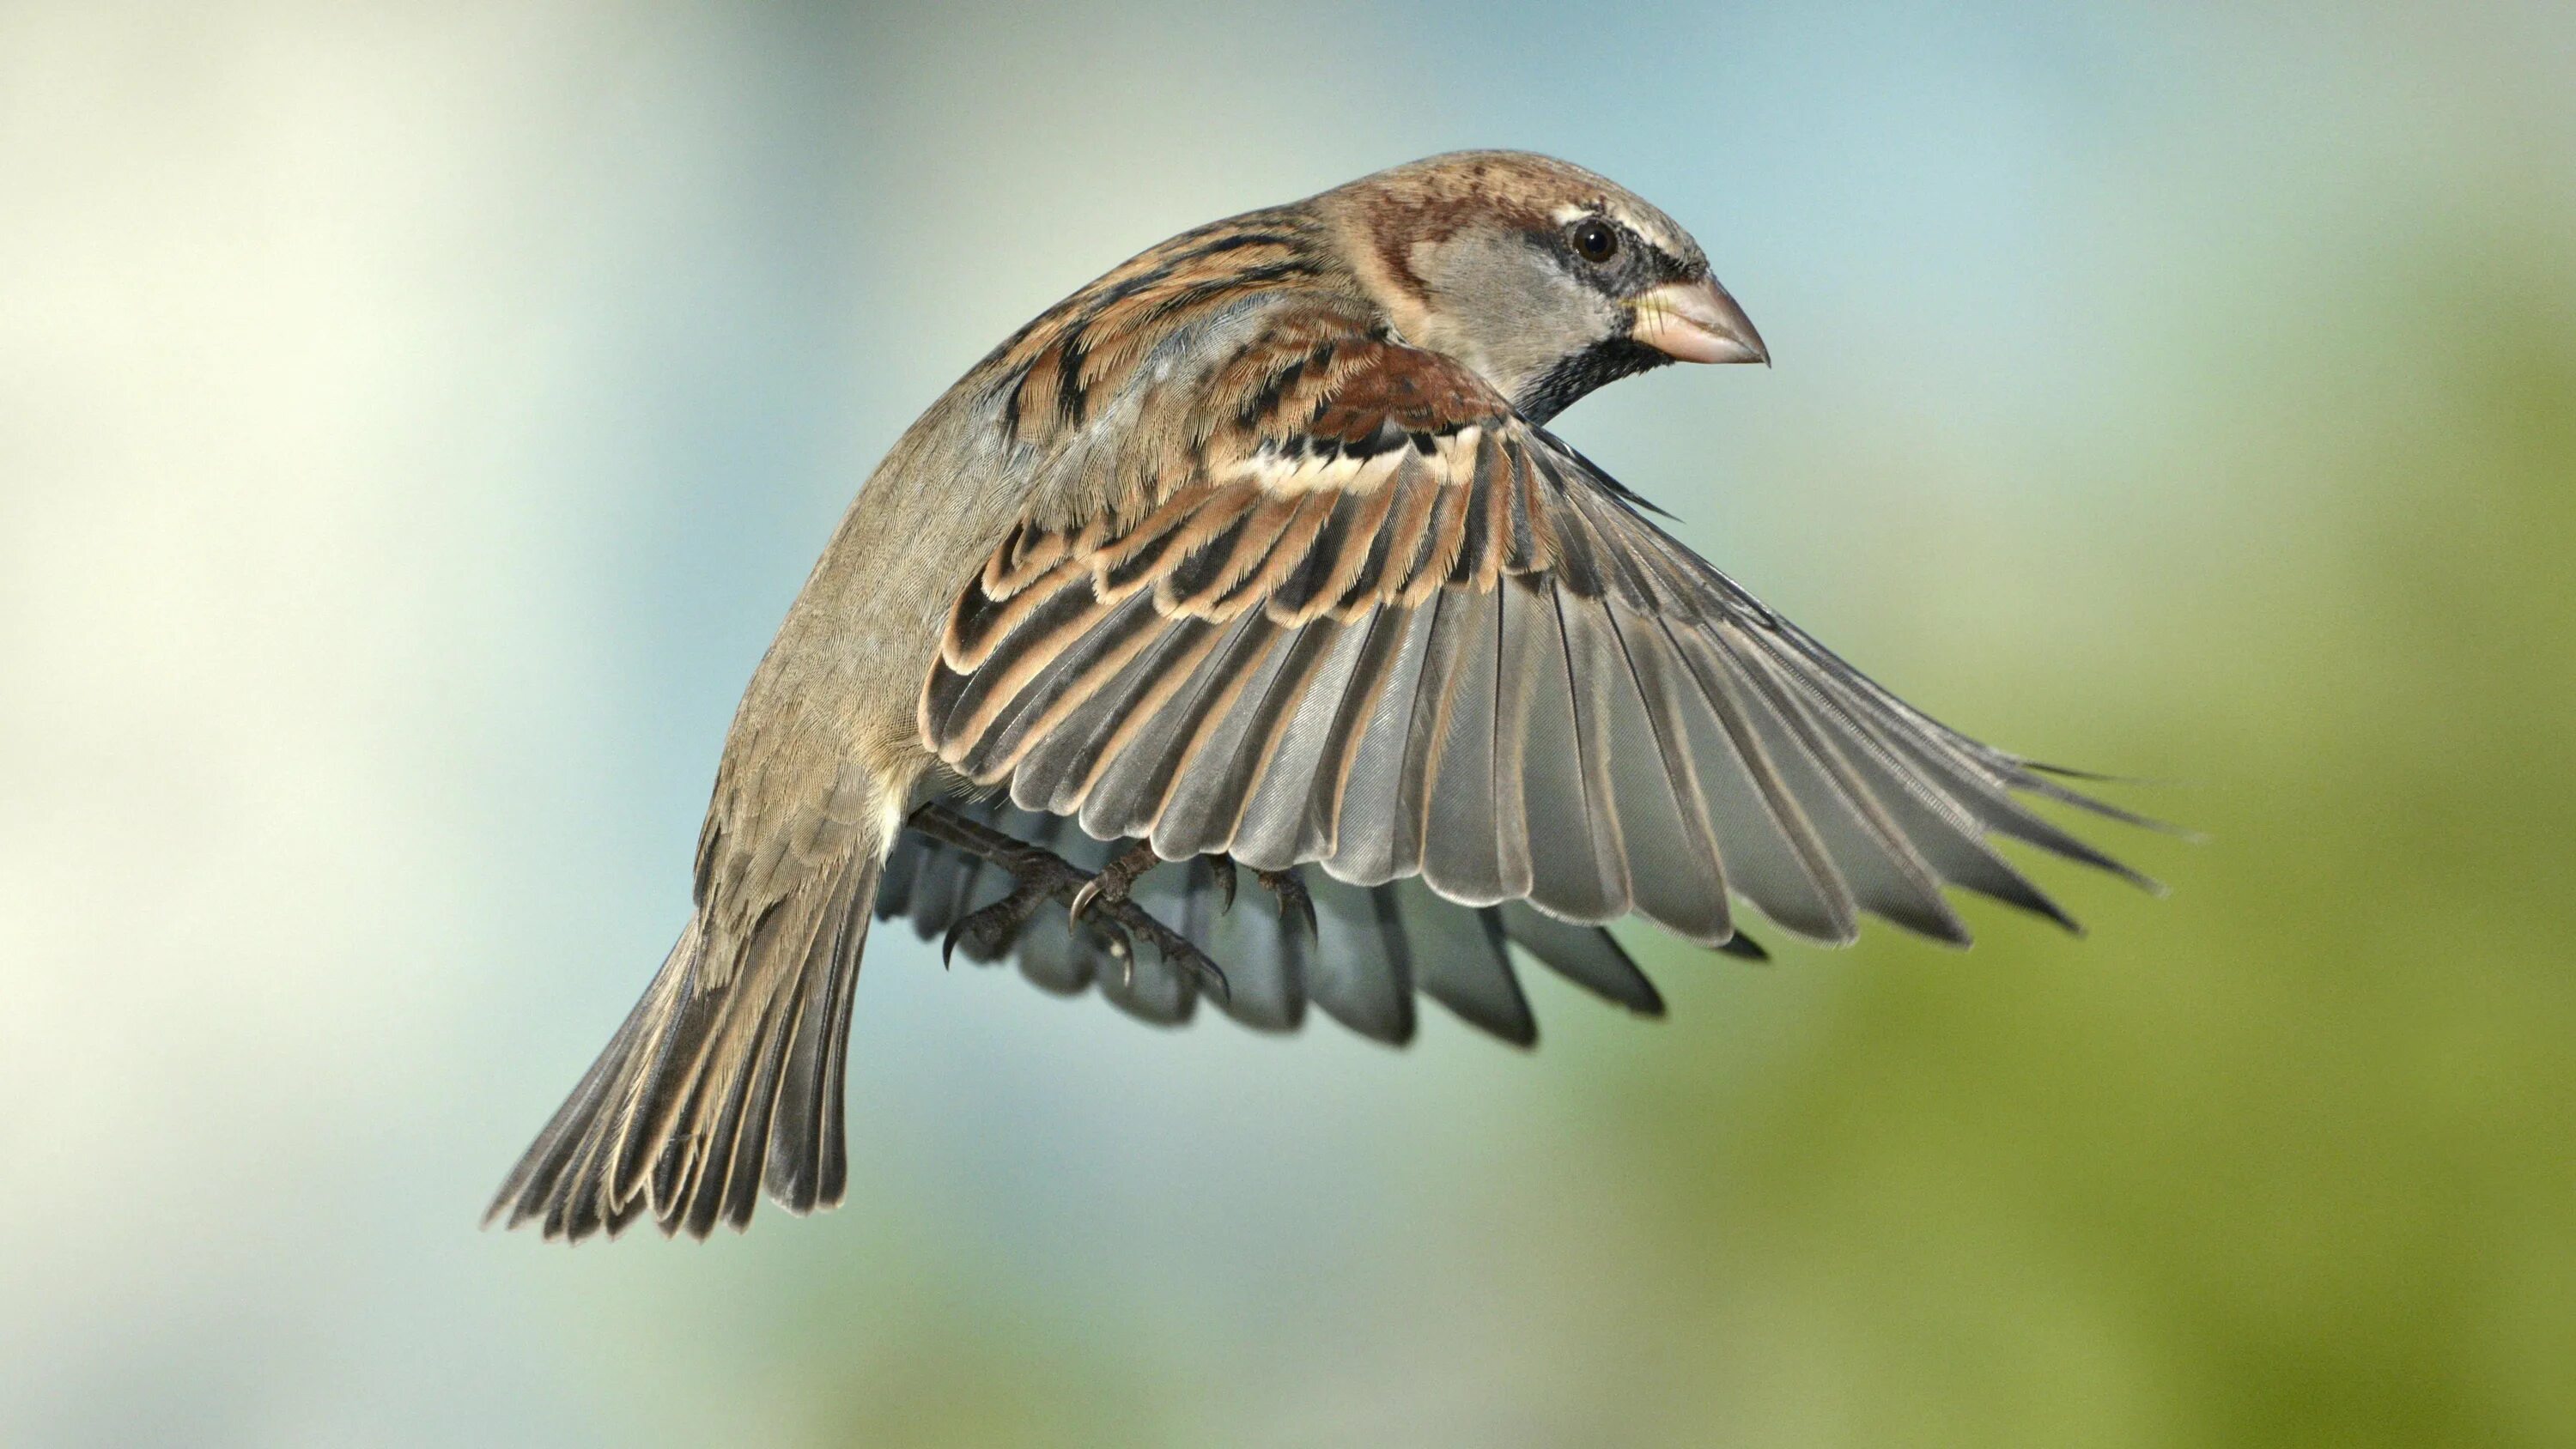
(1595, 240)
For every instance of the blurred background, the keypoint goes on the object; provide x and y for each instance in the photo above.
(414, 420)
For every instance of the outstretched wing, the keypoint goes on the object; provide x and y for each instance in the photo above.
(1376, 621)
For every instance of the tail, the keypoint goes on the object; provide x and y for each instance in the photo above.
(725, 1078)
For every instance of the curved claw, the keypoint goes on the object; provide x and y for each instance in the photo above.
(989, 930)
(1112, 881)
(970, 928)
(1295, 905)
(1211, 976)
(1222, 867)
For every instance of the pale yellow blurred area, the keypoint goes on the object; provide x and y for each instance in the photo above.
(413, 420)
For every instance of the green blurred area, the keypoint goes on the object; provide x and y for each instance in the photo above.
(2181, 393)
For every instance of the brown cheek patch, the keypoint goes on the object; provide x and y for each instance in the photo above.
(1395, 223)
(1401, 217)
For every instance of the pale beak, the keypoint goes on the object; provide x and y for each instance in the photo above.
(1696, 322)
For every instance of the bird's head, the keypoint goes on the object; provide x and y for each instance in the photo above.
(1546, 279)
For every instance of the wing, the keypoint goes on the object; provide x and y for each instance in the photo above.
(1369, 618)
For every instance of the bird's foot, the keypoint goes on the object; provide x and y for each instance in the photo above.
(1286, 886)
(1097, 900)
(1289, 889)
(1116, 878)
(1036, 876)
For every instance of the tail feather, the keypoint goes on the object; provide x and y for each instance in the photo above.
(727, 1075)
(809, 1164)
(558, 1177)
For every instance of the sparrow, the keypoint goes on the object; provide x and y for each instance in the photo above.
(1257, 555)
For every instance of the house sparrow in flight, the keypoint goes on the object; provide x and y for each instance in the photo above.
(1256, 555)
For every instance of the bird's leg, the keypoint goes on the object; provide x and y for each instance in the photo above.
(1098, 900)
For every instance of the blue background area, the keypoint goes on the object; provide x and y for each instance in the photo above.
(414, 420)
